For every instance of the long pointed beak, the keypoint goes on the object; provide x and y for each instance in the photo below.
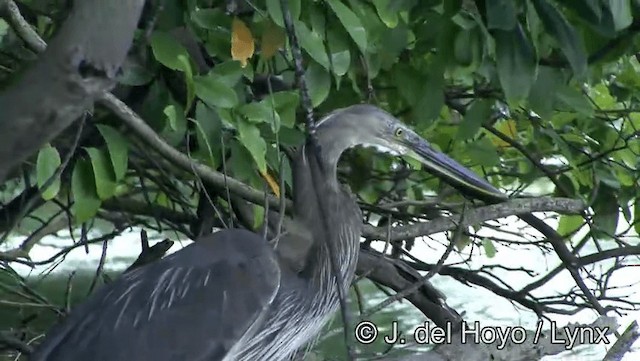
(453, 173)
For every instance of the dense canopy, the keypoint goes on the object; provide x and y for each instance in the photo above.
(541, 97)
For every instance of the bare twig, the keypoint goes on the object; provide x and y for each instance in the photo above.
(416, 285)
(9, 10)
(13, 342)
(100, 268)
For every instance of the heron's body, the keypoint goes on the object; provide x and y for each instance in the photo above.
(287, 306)
(308, 295)
(230, 296)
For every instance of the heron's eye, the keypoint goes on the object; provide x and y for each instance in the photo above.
(399, 132)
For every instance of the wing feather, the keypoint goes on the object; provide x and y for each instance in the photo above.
(195, 304)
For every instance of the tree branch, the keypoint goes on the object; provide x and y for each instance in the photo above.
(179, 159)
(80, 63)
(398, 276)
(478, 215)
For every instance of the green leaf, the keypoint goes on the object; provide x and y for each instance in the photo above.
(313, 44)
(215, 92)
(4, 27)
(286, 172)
(319, 83)
(408, 82)
(394, 42)
(542, 94)
(175, 129)
(83, 187)
(258, 216)
(374, 63)
(208, 135)
(171, 15)
(255, 112)
(462, 242)
(569, 224)
(388, 15)
(636, 216)
(286, 104)
(227, 118)
(275, 11)
(249, 136)
(589, 10)
(482, 152)
(103, 173)
(188, 78)
(261, 112)
(606, 176)
(340, 54)
(135, 75)
(501, 14)
(431, 93)
(173, 114)
(606, 220)
(241, 162)
(118, 150)
(167, 50)
(317, 17)
(516, 63)
(350, 22)
(463, 48)
(575, 100)
(621, 11)
(230, 72)
(602, 97)
(446, 35)
(47, 164)
(211, 19)
(451, 7)
(605, 212)
(153, 106)
(163, 200)
(489, 248)
(478, 113)
(566, 35)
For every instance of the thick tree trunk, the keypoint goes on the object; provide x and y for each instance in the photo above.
(80, 63)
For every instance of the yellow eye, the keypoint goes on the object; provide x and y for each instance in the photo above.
(399, 132)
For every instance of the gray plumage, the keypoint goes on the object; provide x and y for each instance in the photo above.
(230, 296)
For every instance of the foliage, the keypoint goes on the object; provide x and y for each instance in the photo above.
(563, 75)
(540, 96)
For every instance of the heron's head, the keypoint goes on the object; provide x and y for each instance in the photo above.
(371, 126)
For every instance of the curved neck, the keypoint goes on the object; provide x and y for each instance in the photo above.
(329, 212)
(314, 180)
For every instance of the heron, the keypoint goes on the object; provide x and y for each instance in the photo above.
(232, 295)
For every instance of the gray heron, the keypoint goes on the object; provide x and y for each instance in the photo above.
(231, 295)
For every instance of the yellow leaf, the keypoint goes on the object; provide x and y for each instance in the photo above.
(272, 40)
(242, 46)
(271, 182)
(507, 128)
